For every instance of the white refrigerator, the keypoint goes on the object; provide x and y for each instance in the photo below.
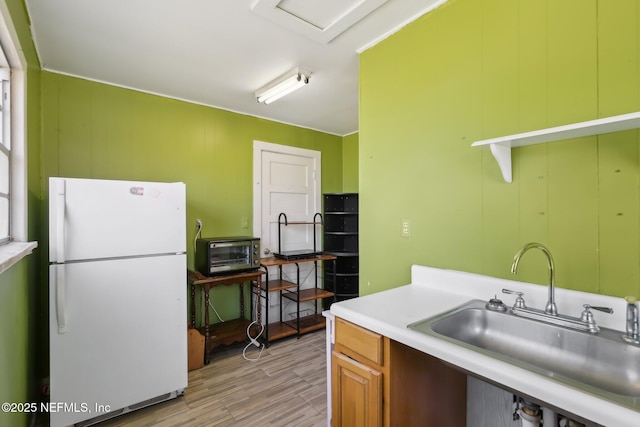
(117, 296)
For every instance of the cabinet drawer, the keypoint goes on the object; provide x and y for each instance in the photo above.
(356, 341)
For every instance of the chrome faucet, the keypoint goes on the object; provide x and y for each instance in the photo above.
(585, 322)
(551, 307)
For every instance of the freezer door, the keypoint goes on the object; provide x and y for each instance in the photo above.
(94, 219)
(125, 339)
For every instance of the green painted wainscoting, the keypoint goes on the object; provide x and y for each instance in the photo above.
(23, 318)
(16, 347)
(350, 163)
(477, 69)
(94, 130)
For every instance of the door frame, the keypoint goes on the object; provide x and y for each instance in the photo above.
(258, 148)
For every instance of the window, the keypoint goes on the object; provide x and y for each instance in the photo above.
(5, 156)
(13, 161)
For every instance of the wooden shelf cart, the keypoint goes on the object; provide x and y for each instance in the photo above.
(230, 331)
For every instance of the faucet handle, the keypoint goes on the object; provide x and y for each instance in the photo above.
(496, 304)
(519, 301)
(587, 316)
(587, 307)
(633, 324)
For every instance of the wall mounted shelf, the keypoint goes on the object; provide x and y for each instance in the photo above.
(501, 147)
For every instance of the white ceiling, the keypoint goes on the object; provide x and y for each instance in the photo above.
(219, 52)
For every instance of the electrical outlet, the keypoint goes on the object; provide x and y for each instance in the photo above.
(198, 223)
(405, 228)
(245, 222)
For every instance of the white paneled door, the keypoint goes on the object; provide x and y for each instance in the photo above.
(286, 180)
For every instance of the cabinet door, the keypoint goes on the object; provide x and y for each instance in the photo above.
(357, 393)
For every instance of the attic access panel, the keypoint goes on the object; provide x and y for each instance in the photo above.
(318, 20)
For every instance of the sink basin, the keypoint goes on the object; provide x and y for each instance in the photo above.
(600, 364)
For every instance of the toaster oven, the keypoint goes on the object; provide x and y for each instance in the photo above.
(220, 255)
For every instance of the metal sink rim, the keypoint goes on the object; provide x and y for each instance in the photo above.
(424, 326)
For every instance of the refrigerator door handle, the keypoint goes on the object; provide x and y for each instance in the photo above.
(60, 213)
(61, 299)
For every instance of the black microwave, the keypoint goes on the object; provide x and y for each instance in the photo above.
(221, 255)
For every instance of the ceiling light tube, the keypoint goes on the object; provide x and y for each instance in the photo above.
(282, 86)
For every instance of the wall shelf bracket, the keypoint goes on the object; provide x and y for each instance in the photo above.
(502, 154)
(501, 146)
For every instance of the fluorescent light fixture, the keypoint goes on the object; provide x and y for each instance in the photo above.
(282, 86)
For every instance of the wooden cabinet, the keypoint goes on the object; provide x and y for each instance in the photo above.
(359, 364)
(357, 393)
(378, 381)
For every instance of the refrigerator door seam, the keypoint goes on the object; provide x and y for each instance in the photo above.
(75, 261)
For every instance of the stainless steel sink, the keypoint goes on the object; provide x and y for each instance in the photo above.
(601, 364)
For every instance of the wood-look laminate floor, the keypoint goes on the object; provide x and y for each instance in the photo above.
(286, 387)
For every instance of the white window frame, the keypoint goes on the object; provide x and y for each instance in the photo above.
(5, 145)
(19, 246)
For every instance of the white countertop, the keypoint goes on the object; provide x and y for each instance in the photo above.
(434, 291)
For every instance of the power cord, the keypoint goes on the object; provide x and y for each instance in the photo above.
(198, 234)
(215, 311)
(254, 340)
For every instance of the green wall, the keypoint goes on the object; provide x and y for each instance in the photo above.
(93, 130)
(85, 129)
(23, 323)
(350, 163)
(15, 343)
(476, 69)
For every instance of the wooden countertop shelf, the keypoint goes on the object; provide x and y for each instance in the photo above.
(273, 262)
(291, 291)
(308, 294)
(197, 278)
(226, 333)
(279, 285)
(280, 330)
(309, 323)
